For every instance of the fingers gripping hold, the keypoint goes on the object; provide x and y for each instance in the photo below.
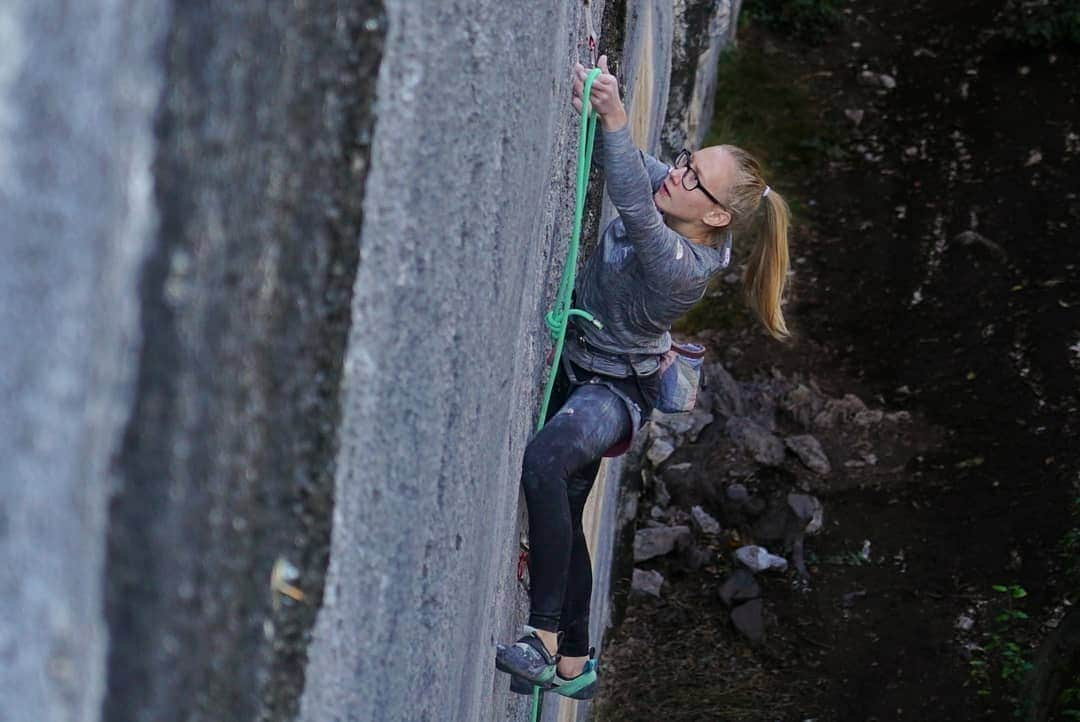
(581, 80)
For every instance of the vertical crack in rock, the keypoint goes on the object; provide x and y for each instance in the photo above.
(640, 96)
(702, 30)
(612, 36)
(227, 462)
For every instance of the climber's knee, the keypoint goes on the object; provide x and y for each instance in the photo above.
(541, 470)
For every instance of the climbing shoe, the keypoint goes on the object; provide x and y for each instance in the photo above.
(520, 686)
(582, 686)
(528, 659)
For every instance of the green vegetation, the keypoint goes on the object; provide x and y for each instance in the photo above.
(808, 20)
(725, 310)
(1002, 662)
(1070, 546)
(1067, 704)
(1045, 23)
(764, 106)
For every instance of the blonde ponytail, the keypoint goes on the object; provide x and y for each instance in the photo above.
(766, 271)
(760, 215)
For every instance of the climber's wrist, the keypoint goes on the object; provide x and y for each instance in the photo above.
(615, 120)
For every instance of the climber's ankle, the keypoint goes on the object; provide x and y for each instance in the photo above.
(550, 640)
(571, 666)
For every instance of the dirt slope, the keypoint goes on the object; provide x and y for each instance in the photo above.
(936, 265)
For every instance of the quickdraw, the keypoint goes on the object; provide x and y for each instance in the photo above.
(590, 34)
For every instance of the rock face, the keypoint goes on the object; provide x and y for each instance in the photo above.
(184, 207)
(702, 28)
(76, 199)
(234, 347)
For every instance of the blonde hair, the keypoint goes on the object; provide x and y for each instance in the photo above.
(762, 218)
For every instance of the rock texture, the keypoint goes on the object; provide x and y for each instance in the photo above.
(658, 541)
(702, 29)
(250, 450)
(647, 582)
(756, 440)
(76, 199)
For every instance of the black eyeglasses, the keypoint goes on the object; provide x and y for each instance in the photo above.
(690, 180)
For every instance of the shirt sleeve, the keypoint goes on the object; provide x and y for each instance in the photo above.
(631, 175)
(657, 170)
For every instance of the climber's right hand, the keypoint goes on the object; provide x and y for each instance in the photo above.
(603, 96)
(579, 85)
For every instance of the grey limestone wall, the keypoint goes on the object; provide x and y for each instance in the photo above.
(181, 187)
(702, 30)
(226, 463)
(78, 86)
(466, 217)
(272, 306)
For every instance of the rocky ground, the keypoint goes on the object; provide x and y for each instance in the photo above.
(905, 474)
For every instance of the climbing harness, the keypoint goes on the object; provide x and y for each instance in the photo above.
(560, 313)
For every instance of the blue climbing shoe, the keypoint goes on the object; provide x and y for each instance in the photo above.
(528, 659)
(520, 686)
(582, 686)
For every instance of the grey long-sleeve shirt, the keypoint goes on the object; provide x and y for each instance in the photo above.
(642, 276)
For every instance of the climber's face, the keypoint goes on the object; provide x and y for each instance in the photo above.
(694, 189)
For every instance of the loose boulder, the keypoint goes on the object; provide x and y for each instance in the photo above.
(809, 509)
(703, 521)
(764, 446)
(727, 395)
(659, 451)
(740, 586)
(810, 453)
(658, 541)
(749, 619)
(647, 582)
(680, 428)
(802, 404)
(759, 559)
(839, 411)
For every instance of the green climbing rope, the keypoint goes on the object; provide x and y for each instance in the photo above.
(560, 313)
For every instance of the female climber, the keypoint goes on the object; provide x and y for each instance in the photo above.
(673, 233)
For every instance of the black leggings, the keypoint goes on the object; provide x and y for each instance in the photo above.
(560, 466)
